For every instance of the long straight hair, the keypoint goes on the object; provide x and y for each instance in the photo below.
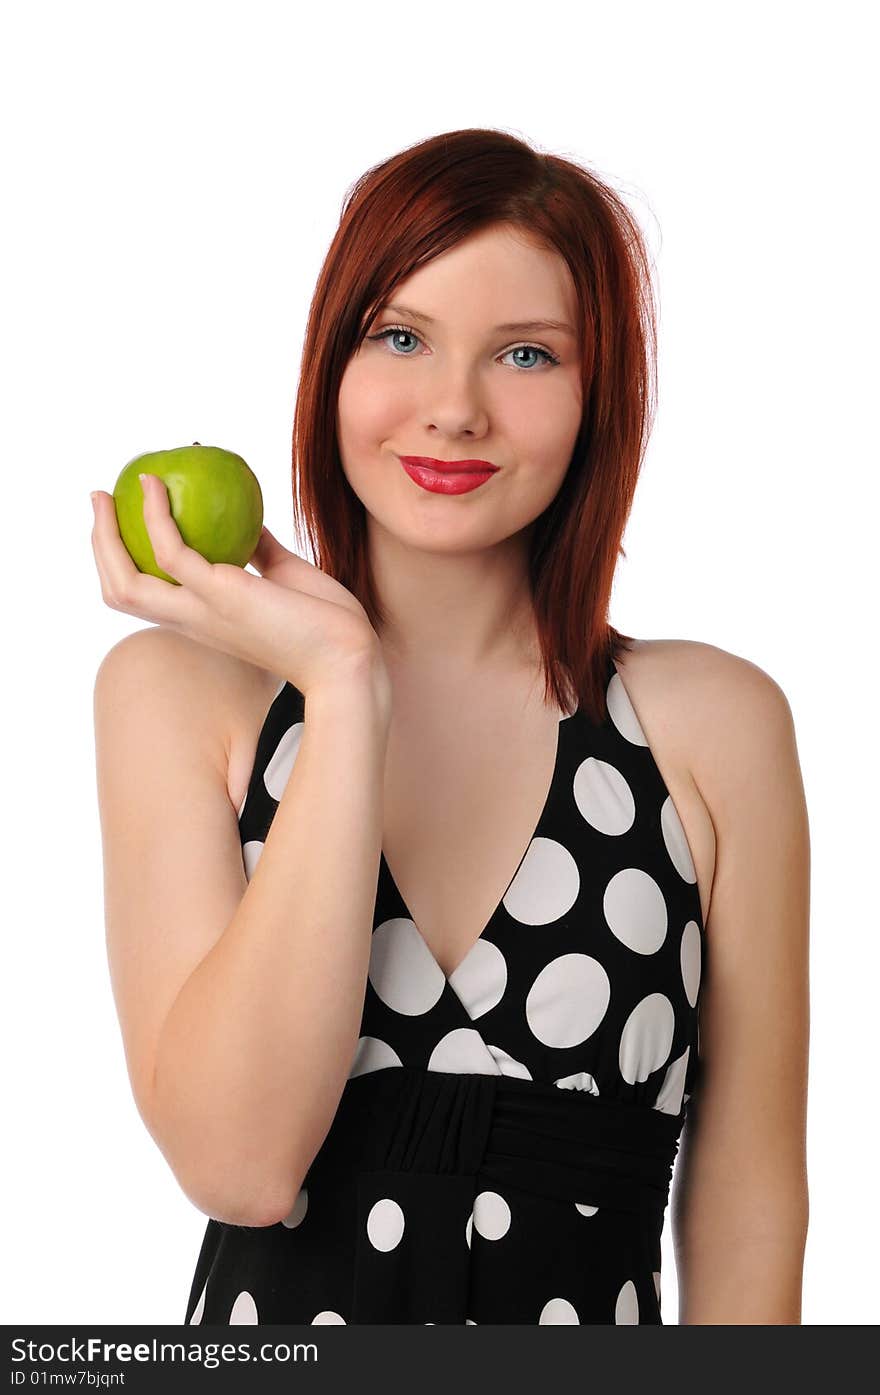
(398, 216)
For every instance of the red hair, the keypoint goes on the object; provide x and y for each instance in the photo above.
(401, 214)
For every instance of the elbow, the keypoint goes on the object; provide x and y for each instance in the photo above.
(243, 1195)
(278, 1204)
(249, 1204)
(227, 1193)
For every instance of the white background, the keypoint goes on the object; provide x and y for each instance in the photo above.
(173, 175)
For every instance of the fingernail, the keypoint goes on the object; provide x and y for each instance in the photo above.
(93, 496)
(143, 486)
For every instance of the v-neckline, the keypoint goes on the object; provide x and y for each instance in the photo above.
(551, 789)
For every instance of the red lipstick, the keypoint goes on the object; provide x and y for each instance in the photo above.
(447, 476)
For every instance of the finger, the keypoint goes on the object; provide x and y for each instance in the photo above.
(115, 566)
(268, 551)
(123, 585)
(172, 554)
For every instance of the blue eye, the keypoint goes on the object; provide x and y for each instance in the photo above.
(549, 358)
(393, 329)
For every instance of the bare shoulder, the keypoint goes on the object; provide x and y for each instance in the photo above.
(691, 661)
(693, 693)
(220, 696)
(716, 724)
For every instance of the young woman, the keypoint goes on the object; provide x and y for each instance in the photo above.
(434, 903)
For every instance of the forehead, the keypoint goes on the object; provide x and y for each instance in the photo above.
(497, 278)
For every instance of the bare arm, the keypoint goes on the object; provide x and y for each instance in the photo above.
(740, 1203)
(253, 991)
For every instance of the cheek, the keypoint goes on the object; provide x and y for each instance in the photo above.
(545, 446)
(543, 416)
(536, 489)
(552, 435)
(367, 410)
(363, 427)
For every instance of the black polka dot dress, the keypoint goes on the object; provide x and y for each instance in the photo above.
(503, 1148)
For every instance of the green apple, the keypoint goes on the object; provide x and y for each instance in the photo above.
(214, 497)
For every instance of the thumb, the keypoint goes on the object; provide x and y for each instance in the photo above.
(268, 547)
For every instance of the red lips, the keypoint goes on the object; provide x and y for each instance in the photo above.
(447, 476)
(449, 467)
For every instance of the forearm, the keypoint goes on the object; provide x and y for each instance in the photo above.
(256, 1049)
(754, 1281)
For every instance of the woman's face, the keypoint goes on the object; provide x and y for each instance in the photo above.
(455, 386)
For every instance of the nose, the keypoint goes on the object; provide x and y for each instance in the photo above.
(454, 406)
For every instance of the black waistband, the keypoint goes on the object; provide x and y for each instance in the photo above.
(566, 1144)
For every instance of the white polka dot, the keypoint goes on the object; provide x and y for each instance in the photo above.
(251, 852)
(298, 1210)
(491, 1215)
(403, 971)
(507, 1065)
(372, 1054)
(244, 1311)
(326, 1318)
(582, 1080)
(626, 1308)
(603, 796)
(462, 1050)
(242, 804)
(469, 1322)
(546, 885)
(480, 980)
(623, 714)
(385, 1224)
(585, 1209)
(691, 960)
(669, 1096)
(636, 910)
(199, 1308)
(676, 841)
(558, 1310)
(656, 1277)
(468, 1230)
(568, 1000)
(646, 1038)
(280, 764)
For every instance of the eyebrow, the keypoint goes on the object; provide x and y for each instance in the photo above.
(520, 327)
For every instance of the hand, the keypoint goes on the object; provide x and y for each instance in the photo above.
(292, 619)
